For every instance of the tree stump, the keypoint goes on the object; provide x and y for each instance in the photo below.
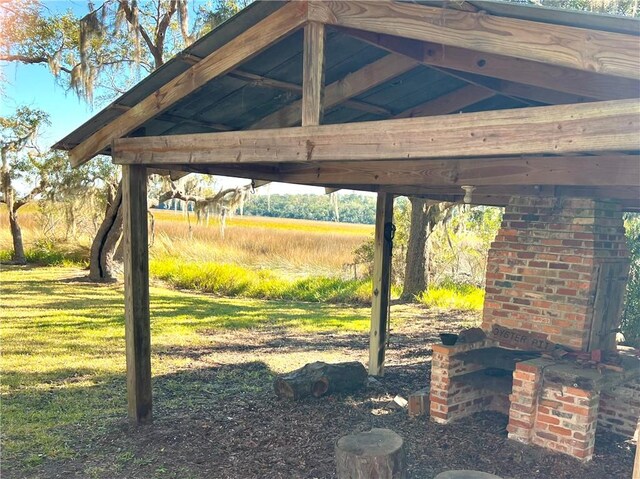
(318, 379)
(377, 453)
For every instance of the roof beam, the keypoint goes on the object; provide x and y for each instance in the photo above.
(338, 92)
(585, 127)
(578, 170)
(498, 195)
(238, 50)
(552, 77)
(614, 54)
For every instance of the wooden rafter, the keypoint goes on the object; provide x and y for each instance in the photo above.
(260, 80)
(449, 103)
(238, 50)
(576, 82)
(338, 92)
(614, 54)
(586, 127)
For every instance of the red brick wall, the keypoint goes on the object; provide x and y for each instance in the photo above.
(540, 268)
(620, 409)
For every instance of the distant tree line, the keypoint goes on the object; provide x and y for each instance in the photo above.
(353, 208)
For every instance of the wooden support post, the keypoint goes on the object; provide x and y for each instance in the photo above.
(636, 462)
(313, 74)
(381, 283)
(136, 292)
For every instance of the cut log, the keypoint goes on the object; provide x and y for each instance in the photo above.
(318, 379)
(377, 453)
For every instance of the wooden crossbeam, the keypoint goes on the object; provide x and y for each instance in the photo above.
(582, 170)
(492, 195)
(576, 82)
(586, 127)
(238, 50)
(313, 74)
(342, 90)
(609, 53)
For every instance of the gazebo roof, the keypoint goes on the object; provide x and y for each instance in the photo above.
(385, 61)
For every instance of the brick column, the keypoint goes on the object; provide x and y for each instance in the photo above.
(524, 402)
(567, 420)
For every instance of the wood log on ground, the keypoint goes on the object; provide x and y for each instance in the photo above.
(378, 453)
(319, 379)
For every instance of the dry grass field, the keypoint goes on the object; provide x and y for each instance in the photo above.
(296, 248)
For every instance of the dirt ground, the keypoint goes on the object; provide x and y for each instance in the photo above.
(234, 427)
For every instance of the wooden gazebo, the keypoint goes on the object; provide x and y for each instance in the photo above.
(401, 98)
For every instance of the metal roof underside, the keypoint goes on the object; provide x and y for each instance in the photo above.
(232, 103)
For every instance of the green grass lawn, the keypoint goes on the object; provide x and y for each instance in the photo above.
(63, 362)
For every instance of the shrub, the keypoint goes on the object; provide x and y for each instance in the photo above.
(452, 296)
(631, 313)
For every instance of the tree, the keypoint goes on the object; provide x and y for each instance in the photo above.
(20, 162)
(425, 215)
(96, 51)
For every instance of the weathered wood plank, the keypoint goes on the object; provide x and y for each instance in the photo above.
(342, 90)
(567, 80)
(136, 293)
(604, 52)
(313, 74)
(238, 50)
(614, 170)
(381, 284)
(587, 127)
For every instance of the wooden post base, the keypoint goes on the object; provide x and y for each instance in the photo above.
(377, 453)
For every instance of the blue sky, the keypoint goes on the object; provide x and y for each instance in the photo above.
(35, 86)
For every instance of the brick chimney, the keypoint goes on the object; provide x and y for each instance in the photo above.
(558, 269)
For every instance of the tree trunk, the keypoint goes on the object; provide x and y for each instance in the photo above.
(9, 198)
(16, 234)
(318, 379)
(378, 453)
(101, 263)
(415, 278)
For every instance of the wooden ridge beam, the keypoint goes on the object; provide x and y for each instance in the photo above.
(609, 53)
(338, 92)
(587, 127)
(576, 82)
(238, 50)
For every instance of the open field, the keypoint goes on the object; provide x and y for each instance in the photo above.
(63, 390)
(296, 248)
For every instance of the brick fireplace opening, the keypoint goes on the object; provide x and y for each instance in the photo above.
(556, 276)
